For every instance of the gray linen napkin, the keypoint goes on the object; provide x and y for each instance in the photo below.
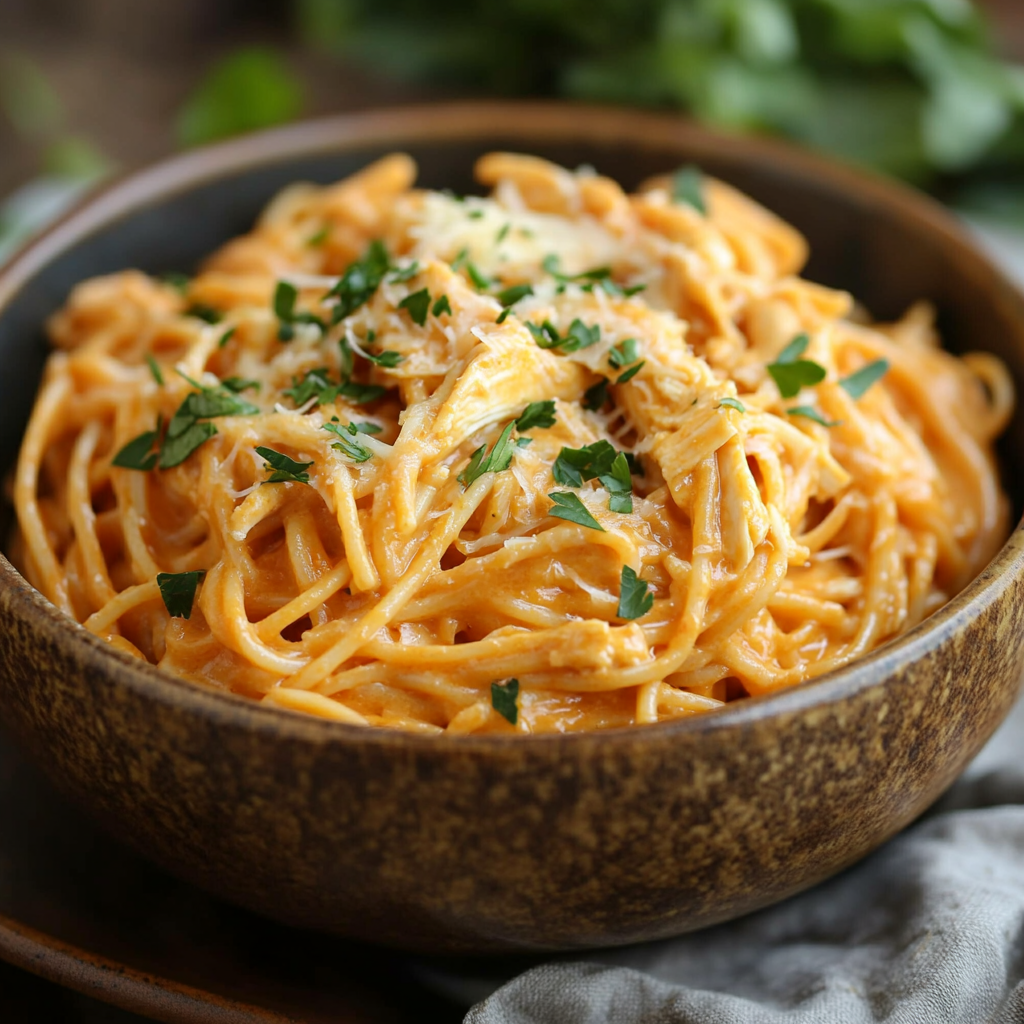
(929, 929)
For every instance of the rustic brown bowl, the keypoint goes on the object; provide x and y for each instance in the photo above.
(496, 843)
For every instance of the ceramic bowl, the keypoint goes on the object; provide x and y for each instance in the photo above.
(499, 843)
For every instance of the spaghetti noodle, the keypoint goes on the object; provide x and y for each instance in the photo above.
(559, 458)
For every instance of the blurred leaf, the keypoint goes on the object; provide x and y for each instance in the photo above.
(27, 98)
(873, 124)
(74, 157)
(765, 31)
(247, 90)
(326, 24)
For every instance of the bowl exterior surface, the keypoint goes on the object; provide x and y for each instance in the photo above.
(491, 844)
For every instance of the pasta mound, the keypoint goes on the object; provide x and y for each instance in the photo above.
(561, 458)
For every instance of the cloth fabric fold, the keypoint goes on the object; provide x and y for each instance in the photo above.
(928, 929)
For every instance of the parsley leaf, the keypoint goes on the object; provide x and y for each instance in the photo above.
(207, 313)
(732, 403)
(176, 280)
(319, 237)
(359, 282)
(364, 427)
(226, 337)
(504, 698)
(178, 591)
(511, 295)
(285, 470)
(238, 384)
(627, 351)
(810, 413)
(596, 395)
(619, 485)
(359, 394)
(154, 368)
(857, 383)
(537, 414)
(176, 450)
(688, 187)
(580, 336)
(628, 375)
(406, 273)
(417, 303)
(315, 383)
(349, 448)
(546, 335)
(185, 433)
(388, 359)
(502, 235)
(791, 373)
(568, 505)
(634, 597)
(574, 465)
(137, 454)
(499, 459)
(480, 281)
(441, 305)
(285, 296)
(208, 404)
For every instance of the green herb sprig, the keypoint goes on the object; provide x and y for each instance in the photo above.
(178, 591)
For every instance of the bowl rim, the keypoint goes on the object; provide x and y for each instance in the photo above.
(105, 206)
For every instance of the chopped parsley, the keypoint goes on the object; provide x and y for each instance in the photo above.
(578, 336)
(628, 375)
(207, 313)
(189, 426)
(441, 305)
(502, 234)
(239, 384)
(498, 459)
(154, 368)
(596, 395)
(460, 259)
(857, 383)
(319, 237)
(346, 445)
(176, 450)
(791, 373)
(178, 591)
(619, 484)
(688, 187)
(359, 282)
(318, 384)
(226, 337)
(634, 597)
(417, 303)
(732, 403)
(627, 351)
(387, 359)
(285, 470)
(285, 296)
(574, 465)
(511, 295)
(176, 280)
(810, 413)
(138, 453)
(537, 414)
(568, 506)
(588, 279)
(480, 281)
(406, 273)
(504, 699)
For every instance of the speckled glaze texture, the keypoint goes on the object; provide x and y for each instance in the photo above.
(497, 843)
